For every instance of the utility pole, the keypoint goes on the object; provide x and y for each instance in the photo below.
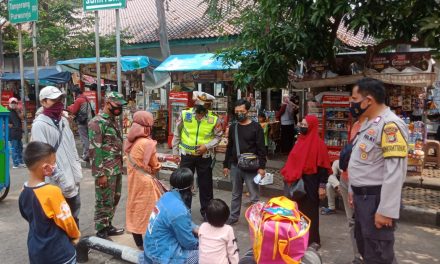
(163, 36)
(34, 46)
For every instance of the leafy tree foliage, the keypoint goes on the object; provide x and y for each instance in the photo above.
(277, 34)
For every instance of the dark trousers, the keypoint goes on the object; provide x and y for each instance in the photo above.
(309, 205)
(203, 167)
(375, 245)
(75, 205)
(138, 240)
(287, 137)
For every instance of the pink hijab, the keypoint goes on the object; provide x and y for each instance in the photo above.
(141, 128)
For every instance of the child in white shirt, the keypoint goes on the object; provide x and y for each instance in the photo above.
(217, 243)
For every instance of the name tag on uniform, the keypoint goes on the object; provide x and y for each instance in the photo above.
(393, 143)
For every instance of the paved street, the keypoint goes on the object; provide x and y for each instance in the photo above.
(415, 244)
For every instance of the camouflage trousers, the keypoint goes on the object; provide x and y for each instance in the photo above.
(106, 200)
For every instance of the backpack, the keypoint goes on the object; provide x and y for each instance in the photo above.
(279, 231)
(85, 113)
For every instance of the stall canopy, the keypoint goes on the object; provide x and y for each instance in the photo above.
(46, 76)
(128, 63)
(195, 62)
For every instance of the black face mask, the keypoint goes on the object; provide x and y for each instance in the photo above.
(303, 130)
(356, 110)
(116, 111)
(241, 117)
(200, 109)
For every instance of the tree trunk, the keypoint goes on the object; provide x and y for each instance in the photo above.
(46, 59)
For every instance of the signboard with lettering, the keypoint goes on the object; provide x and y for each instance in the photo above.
(22, 11)
(93, 5)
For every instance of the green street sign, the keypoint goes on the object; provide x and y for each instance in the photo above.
(93, 5)
(22, 11)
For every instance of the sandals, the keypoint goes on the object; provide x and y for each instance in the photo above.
(327, 211)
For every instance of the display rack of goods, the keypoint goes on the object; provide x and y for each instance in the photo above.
(416, 139)
(315, 108)
(160, 126)
(336, 123)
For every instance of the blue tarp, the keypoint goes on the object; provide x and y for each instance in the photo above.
(194, 62)
(45, 76)
(128, 63)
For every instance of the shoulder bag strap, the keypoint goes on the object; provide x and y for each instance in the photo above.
(156, 181)
(237, 143)
(57, 145)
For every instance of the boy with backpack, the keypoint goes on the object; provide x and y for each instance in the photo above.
(52, 228)
(83, 112)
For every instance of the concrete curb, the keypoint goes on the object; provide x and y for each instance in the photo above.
(126, 253)
(417, 215)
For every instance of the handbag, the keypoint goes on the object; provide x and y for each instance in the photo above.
(162, 188)
(297, 190)
(345, 154)
(246, 161)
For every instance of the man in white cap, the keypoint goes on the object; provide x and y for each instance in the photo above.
(53, 128)
(198, 131)
(15, 133)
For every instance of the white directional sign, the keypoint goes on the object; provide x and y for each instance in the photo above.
(93, 5)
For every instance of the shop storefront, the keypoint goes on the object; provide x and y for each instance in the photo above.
(46, 76)
(136, 72)
(198, 72)
(408, 78)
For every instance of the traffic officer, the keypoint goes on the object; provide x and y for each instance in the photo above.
(106, 158)
(377, 170)
(198, 131)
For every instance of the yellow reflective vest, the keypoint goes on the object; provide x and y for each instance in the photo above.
(195, 133)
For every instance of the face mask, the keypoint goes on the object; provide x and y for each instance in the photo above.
(200, 109)
(241, 117)
(356, 110)
(12, 106)
(303, 130)
(49, 170)
(116, 111)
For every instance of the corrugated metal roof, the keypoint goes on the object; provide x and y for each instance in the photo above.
(185, 20)
(349, 38)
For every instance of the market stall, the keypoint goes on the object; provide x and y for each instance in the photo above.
(135, 72)
(11, 88)
(198, 72)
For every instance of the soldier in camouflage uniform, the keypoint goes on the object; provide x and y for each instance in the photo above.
(106, 159)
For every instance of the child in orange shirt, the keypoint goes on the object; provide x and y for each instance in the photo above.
(52, 228)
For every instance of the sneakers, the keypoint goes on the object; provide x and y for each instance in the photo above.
(15, 167)
(327, 211)
(19, 166)
(357, 260)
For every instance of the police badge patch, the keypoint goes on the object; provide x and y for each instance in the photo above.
(390, 132)
(188, 117)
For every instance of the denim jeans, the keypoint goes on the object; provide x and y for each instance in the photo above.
(17, 151)
(83, 136)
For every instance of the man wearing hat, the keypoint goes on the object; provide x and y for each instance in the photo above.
(53, 128)
(15, 133)
(106, 158)
(198, 131)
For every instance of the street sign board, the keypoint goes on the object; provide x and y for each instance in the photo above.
(93, 5)
(22, 11)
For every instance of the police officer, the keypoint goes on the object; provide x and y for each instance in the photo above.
(377, 170)
(106, 159)
(198, 131)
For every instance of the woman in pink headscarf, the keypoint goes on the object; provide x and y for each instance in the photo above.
(143, 190)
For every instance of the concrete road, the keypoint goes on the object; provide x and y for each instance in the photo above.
(415, 244)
